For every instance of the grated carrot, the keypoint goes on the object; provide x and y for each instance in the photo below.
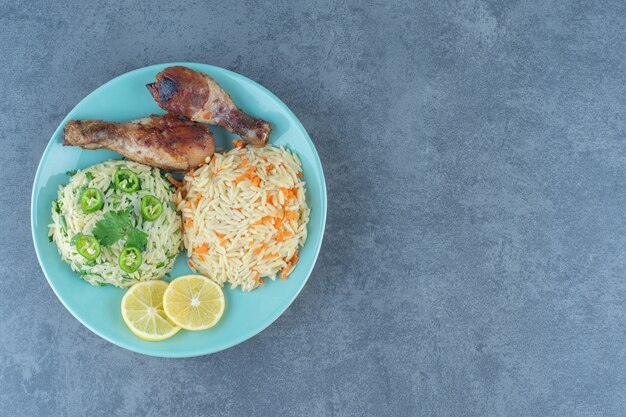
(292, 262)
(240, 178)
(257, 278)
(190, 264)
(256, 181)
(239, 143)
(299, 174)
(291, 215)
(248, 174)
(219, 235)
(193, 171)
(262, 220)
(269, 256)
(188, 204)
(174, 181)
(202, 249)
(286, 192)
(285, 272)
(188, 222)
(268, 168)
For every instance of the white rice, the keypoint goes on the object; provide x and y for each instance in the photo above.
(164, 237)
(232, 232)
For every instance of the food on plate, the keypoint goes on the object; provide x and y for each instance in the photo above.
(194, 302)
(244, 215)
(142, 311)
(241, 215)
(166, 142)
(116, 223)
(196, 96)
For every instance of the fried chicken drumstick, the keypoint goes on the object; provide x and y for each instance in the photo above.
(196, 96)
(166, 142)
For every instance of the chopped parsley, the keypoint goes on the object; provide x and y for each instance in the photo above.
(89, 175)
(71, 173)
(111, 186)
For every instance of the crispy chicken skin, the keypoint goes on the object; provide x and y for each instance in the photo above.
(166, 142)
(196, 96)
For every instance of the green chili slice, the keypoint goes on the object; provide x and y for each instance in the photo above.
(151, 207)
(126, 180)
(88, 246)
(91, 200)
(130, 259)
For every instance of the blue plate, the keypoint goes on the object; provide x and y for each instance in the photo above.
(98, 308)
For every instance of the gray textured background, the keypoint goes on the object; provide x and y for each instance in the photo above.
(473, 263)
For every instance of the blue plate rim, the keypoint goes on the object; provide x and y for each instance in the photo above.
(213, 349)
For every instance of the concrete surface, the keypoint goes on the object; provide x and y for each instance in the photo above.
(474, 259)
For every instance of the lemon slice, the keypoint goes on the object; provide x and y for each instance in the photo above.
(194, 302)
(142, 310)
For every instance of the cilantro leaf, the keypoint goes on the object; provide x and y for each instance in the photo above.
(89, 175)
(114, 226)
(71, 173)
(137, 239)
